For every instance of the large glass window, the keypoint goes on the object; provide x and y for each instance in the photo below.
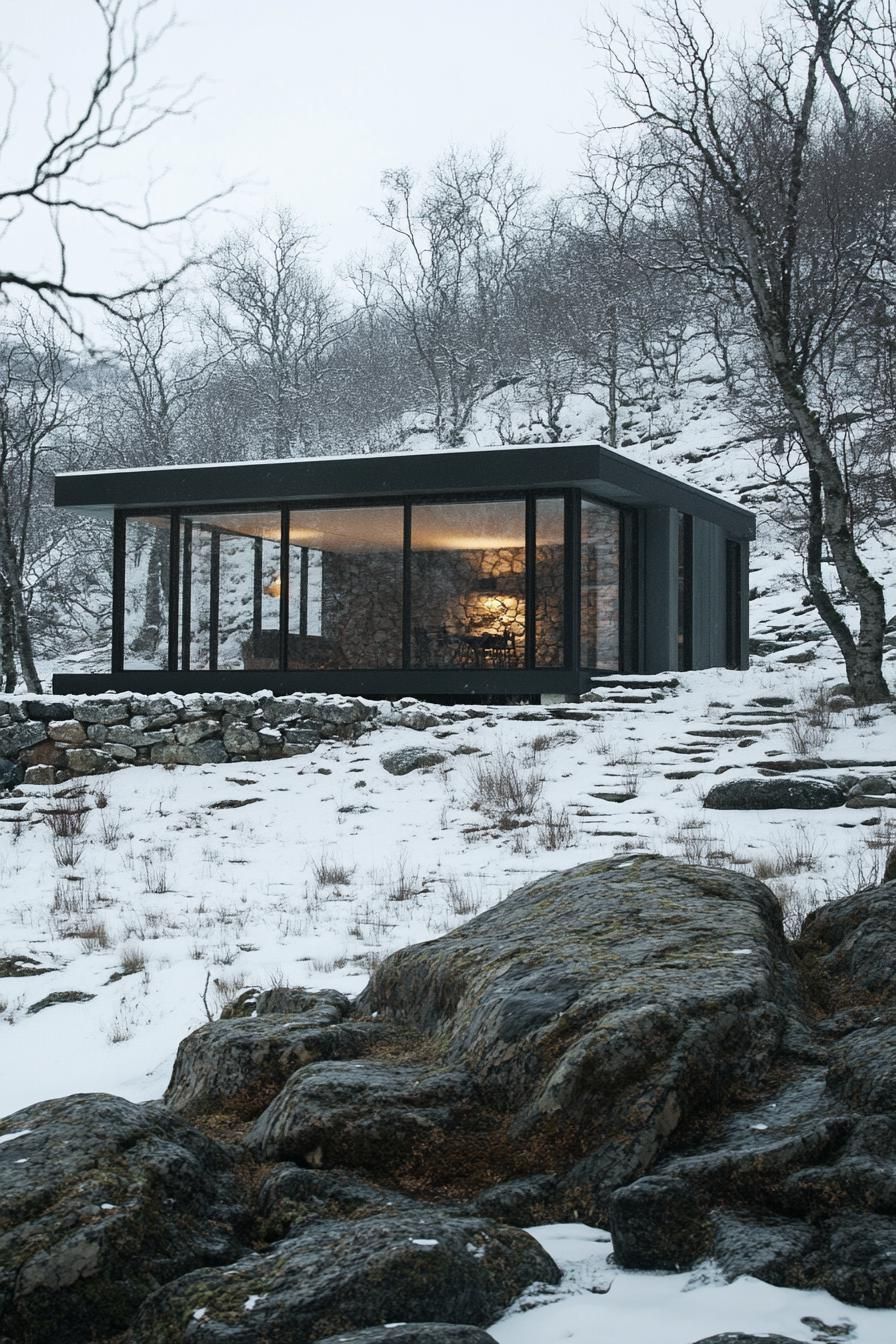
(549, 570)
(346, 571)
(600, 586)
(230, 591)
(468, 584)
(146, 570)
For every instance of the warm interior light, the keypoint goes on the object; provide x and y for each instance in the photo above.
(273, 588)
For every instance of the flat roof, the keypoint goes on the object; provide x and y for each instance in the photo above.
(588, 466)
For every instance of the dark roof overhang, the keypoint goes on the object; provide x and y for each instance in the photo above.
(589, 466)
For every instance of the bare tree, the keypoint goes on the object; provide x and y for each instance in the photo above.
(745, 154)
(37, 416)
(274, 324)
(459, 243)
(114, 112)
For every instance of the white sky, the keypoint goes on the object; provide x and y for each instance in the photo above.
(306, 102)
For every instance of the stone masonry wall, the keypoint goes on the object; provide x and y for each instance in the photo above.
(51, 739)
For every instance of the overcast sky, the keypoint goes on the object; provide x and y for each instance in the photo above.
(307, 102)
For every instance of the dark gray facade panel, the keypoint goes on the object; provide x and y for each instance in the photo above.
(660, 590)
(709, 595)
(589, 467)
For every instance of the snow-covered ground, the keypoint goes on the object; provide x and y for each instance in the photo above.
(187, 884)
(597, 1302)
(199, 880)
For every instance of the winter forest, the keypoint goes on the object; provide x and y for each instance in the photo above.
(734, 212)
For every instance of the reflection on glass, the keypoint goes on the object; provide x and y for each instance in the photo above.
(549, 521)
(600, 586)
(468, 584)
(345, 587)
(147, 561)
(231, 574)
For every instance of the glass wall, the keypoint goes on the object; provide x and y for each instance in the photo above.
(600, 624)
(230, 591)
(147, 543)
(468, 584)
(549, 586)
(346, 570)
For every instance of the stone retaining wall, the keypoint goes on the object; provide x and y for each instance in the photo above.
(49, 739)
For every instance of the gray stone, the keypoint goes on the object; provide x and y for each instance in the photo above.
(100, 1202)
(874, 784)
(366, 1113)
(15, 967)
(11, 774)
(203, 753)
(120, 752)
(21, 735)
(61, 996)
(761, 794)
(102, 711)
(125, 734)
(406, 759)
(11, 711)
(40, 774)
(240, 740)
(284, 710)
(47, 708)
(427, 1332)
(855, 939)
(301, 740)
(196, 730)
(88, 761)
(68, 732)
(245, 1061)
(342, 1274)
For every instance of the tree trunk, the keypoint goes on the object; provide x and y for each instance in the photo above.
(7, 640)
(20, 623)
(863, 655)
(613, 377)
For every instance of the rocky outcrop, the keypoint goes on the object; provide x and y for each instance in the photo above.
(632, 1041)
(798, 1186)
(338, 1275)
(101, 1201)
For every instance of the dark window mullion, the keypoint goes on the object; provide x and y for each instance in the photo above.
(572, 579)
(406, 590)
(173, 587)
(119, 561)
(530, 580)
(283, 650)
(186, 615)
(214, 597)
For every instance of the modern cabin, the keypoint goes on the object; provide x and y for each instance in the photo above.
(509, 573)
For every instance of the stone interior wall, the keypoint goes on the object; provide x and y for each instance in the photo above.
(361, 606)
(600, 598)
(446, 593)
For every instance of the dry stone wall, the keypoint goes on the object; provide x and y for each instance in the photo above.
(50, 739)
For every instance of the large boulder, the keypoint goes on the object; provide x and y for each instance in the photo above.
(339, 1275)
(595, 1011)
(101, 1201)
